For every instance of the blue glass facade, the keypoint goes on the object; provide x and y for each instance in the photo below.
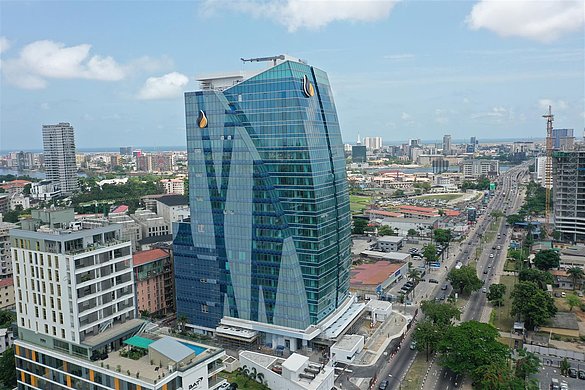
(269, 238)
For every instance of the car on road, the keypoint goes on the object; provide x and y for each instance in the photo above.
(444, 287)
(581, 374)
(563, 294)
(573, 372)
(383, 385)
(484, 290)
(413, 345)
(491, 255)
(485, 271)
(433, 281)
(489, 266)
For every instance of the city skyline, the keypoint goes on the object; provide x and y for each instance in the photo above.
(481, 74)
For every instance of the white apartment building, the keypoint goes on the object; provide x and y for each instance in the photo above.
(5, 254)
(173, 186)
(373, 143)
(72, 285)
(541, 172)
(45, 190)
(474, 169)
(59, 155)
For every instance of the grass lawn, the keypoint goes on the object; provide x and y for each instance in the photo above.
(414, 377)
(358, 202)
(502, 319)
(510, 265)
(242, 381)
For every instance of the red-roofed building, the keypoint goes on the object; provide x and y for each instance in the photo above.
(368, 278)
(122, 209)
(7, 293)
(154, 278)
(14, 186)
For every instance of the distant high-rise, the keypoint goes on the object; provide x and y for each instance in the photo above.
(373, 143)
(359, 154)
(59, 155)
(268, 245)
(563, 139)
(568, 199)
(471, 147)
(446, 144)
(126, 150)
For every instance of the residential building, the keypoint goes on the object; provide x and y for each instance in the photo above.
(173, 186)
(45, 190)
(173, 208)
(130, 230)
(541, 170)
(373, 143)
(6, 339)
(150, 223)
(154, 277)
(7, 300)
(76, 319)
(389, 243)
(19, 200)
(14, 186)
(4, 203)
(474, 169)
(359, 154)
(160, 162)
(447, 147)
(267, 250)
(568, 194)
(59, 154)
(5, 254)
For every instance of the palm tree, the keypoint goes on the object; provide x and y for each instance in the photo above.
(414, 275)
(565, 365)
(182, 320)
(246, 373)
(576, 273)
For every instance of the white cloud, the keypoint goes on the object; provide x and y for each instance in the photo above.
(544, 21)
(405, 116)
(497, 113)
(4, 44)
(555, 104)
(297, 14)
(42, 60)
(165, 87)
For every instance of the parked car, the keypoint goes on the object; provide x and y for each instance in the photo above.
(573, 372)
(383, 385)
(563, 294)
(581, 374)
(433, 281)
(444, 287)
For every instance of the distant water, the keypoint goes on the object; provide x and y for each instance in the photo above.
(35, 174)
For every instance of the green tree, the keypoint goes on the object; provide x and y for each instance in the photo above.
(496, 294)
(427, 335)
(495, 376)
(359, 224)
(533, 304)
(430, 254)
(527, 364)
(414, 275)
(412, 233)
(398, 193)
(440, 313)
(8, 369)
(443, 236)
(514, 218)
(386, 231)
(465, 279)
(541, 278)
(547, 259)
(564, 366)
(576, 273)
(572, 300)
(471, 345)
(7, 318)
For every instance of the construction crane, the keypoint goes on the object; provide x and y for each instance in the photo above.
(548, 167)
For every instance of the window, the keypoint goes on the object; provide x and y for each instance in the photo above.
(201, 228)
(204, 308)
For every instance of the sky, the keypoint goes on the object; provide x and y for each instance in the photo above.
(398, 69)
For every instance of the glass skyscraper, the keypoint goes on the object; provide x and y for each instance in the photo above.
(269, 237)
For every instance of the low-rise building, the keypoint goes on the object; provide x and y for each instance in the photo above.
(173, 208)
(45, 190)
(19, 200)
(389, 243)
(294, 373)
(151, 223)
(346, 349)
(375, 277)
(7, 300)
(173, 186)
(154, 276)
(6, 339)
(5, 255)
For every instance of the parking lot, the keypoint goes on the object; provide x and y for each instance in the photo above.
(547, 372)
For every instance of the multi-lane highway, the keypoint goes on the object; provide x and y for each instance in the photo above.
(505, 199)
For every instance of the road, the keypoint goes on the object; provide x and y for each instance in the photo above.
(505, 199)
(508, 200)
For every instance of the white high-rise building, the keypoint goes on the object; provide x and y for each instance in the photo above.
(373, 143)
(59, 155)
(5, 256)
(541, 172)
(76, 316)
